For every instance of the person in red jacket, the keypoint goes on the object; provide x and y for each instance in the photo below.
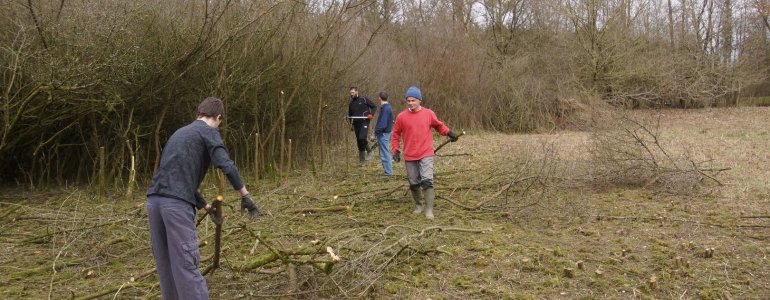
(413, 126)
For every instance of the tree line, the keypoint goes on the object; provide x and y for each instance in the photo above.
(80, 76)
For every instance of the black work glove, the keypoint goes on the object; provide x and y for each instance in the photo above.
(397, 156)
(248, 204)
(213, 216)
(452, 136)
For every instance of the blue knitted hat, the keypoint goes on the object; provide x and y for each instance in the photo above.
(413, 91)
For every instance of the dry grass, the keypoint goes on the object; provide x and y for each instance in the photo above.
(538, 213)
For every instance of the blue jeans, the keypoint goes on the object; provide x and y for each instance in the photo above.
(383, 143)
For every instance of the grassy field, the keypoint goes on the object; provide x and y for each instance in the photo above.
(517, 217)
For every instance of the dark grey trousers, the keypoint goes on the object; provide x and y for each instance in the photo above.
(175, 247)
(420, 173)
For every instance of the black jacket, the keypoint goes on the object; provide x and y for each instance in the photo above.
(360, 107)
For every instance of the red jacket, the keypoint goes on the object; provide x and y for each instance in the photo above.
(415, 127)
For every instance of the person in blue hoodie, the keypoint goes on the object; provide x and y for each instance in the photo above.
(382, 132)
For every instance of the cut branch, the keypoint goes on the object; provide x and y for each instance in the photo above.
(446, 142)
(502, 190)
(319, 209)
(277, 255)
(115, 290)
(374, 192)
(45, 268)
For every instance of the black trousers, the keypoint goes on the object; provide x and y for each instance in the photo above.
(361, 129)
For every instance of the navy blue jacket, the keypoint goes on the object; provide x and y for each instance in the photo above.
(385, 120)
(187, 156)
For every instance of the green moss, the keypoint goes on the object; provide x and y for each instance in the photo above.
(117, 266)
(710, 293)
(481, 262)
(416, 269)
(743, 279)
(617, 281)
(595, 284)
(522, 297)
(557, 252)
(552, 281)
(462, 281)
(391, 289)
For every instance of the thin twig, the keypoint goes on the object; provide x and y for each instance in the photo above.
(504, 189)
(694, 167)
(318, 209)
(456, 203)
(374, 192)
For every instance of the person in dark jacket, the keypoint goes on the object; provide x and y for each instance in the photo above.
(360, 110)
(382, 132)
(173, 197)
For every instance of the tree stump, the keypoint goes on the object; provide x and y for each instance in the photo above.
(678, 262)
(569, 272)
(654, 283)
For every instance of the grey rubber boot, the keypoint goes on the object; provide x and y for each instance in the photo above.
(361, 159)
(369, 155)
(429, 195)
(369, 152)
(417, 195)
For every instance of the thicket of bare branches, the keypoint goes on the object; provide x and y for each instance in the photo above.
(631, 150)
(80, 75)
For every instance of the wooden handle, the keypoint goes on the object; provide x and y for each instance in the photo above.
(217, 232)
(218, 206)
